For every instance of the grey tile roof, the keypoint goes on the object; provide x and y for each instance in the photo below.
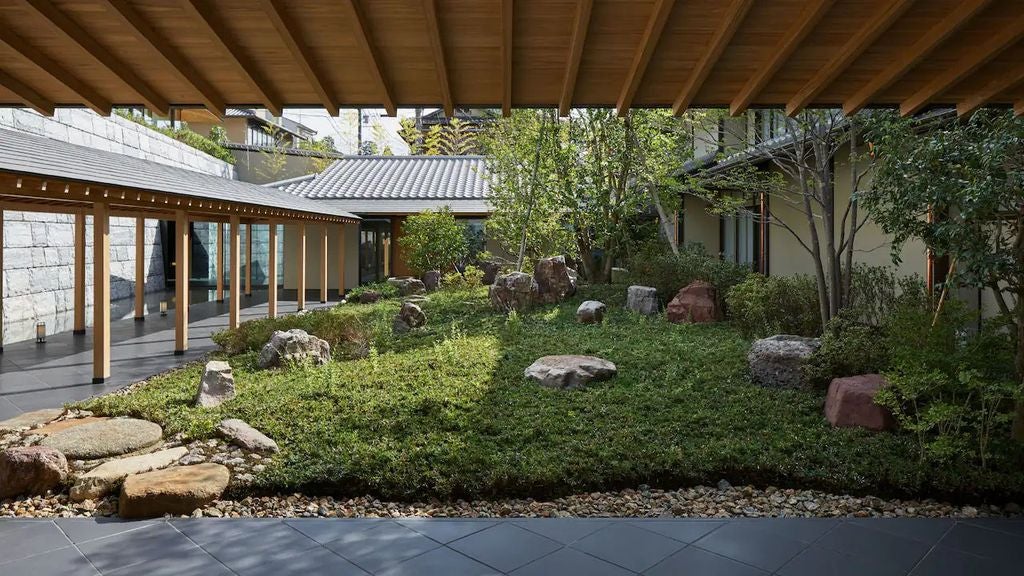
(381, 207)
(372, 178)
(27, 154)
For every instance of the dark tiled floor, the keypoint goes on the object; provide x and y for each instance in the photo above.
(424, 547)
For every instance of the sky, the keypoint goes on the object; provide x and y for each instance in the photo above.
(342, 128)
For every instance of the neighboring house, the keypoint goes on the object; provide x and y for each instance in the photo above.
(383, 190)
(476, 118)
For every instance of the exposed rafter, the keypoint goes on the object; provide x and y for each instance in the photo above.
(437, 45)
(219, 33)
(32, 98)
(362, 34)
(808, 19)
(507, 17)
(169, 54)
(649, 41)
(1008, 79)
(972, 58)
(572, 68)
(733, 17)
(909, 58)
(853, 48)
(86, 42)
(277, 13)
(92, 99)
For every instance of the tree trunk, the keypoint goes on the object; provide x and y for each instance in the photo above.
(669, 231)
(819, 272)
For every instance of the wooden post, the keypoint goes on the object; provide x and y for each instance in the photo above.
(301, 302)
(341, 262)
(140, 268)
(248, 259)
(234, 283)
(272, 273)
(323, 264)
(220, 262)
(181, 277)
(1, 278)
(100, 292)
(79, 328)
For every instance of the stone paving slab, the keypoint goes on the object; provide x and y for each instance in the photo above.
(567, 546)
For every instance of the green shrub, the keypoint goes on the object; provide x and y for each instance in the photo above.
(876, 293)
(346, 333)
(471, 277)
(433, 240)
(186, 136)
(762, 306)
(848, 348)
(385, 290)
(652, 264)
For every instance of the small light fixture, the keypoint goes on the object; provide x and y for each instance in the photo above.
(163, 307)
(40, 332)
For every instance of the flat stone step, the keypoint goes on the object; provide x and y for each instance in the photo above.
(105, 478)
(112, 437)
(176, 490)
(30, 419)
(54, 427)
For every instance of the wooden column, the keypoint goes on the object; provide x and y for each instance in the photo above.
(1, 279)
(301, 301)
(323, 264)
(181, 277)
(79, 327)
(140, 269)
(234, 282)
(341, 261)
(248, 259)
(100, 292)
(220, 262)
(272, 273)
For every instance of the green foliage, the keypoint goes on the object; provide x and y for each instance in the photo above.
(652, 264)
(762, 306)
(848, 348)
(324, 147)
(385, 290)
(456, 138)
(184, 135)
(346, 333)
(218, 135)
(471, 278)
(432, 240)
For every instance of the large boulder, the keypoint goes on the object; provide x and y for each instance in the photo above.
(217, 385)
(778, 361)
(432, 280)
(176, 490)
(490, 270)
(567, 372)
(407, 286)
(293, 346)
(554, 281)
(851, 403)
(642, 299)
(31, 470)
(104, 439)
(242, 434)
(591, 312)
(106, 477)
(367, 297)
(513, 291)
(409, 316)
(30, 419)
(697, 303)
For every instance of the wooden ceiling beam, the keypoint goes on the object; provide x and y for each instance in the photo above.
(276, 11)
(27, 94)
(1004, 82)
(154, 101)
(972, 57)
(734, 15)
(812, 13)
(572, 67)
(910, 57)
(217, 30)
(437, 46)
(365, 40)
(850, 51)
(137, 24)
(89, 96)
(649, 41)
(507, 17)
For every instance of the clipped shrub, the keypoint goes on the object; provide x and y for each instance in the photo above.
(346, 334)
(848, 348)
(471, 277)
(383, 288)
(652, 264)
(762, 306)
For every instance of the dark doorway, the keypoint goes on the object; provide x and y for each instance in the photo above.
(374, 239)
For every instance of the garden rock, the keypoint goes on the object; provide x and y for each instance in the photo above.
(367, 297)
(513, 291)
(407, 286)
(106, 477)
(59, 425)
(697, 303)
(642, 299)
(176, 490)
(591, 312)
(554, 282)
(778, 361)
(619, 275)
(30, 419)
(217, 385)
(490, 270)
(432, 280)
(567, 372)
(851, 403)
(410, 316)
(104, 439)
(294, 345)
(31, 470)
(242, 434)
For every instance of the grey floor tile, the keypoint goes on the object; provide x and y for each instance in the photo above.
(323, 530)
(64, 562)
(84, 529)
(687, 531)
(949, 562)
(804, 530)
(31, 539)
(441, 562)
(505, 546)
(1008, 525)
(820, 561)
(890, 550)
(149, 545)
(315, 562)
(8, 409)
(927, 530)
(569, 562)
(260, 542)
(204, 531)
(1000, 546)
(445, 530)
(755, 546)
(381, 547)
(12, 524)
(563, 530)
(193, 562)
(627, 546)
(693, 560)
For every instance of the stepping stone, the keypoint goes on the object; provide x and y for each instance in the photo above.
(106, 477)
(104, 439)
(241, 433)
(54, 427)
(176, 490)
(570, 371)
(30, 419)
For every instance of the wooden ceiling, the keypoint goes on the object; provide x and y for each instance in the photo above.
(165, 54)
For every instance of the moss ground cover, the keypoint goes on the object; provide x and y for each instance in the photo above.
(445, 412)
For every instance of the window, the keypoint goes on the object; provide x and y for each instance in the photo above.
(742, 237)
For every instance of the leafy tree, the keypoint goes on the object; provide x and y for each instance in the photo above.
(433, 240)
(453, 139)
(324, 146)
(411, 135)
(273, 157)
(457, 138)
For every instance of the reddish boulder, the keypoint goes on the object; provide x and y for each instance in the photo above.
(851, 403)
(31, 470)
(555, 280)
(697, 303)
